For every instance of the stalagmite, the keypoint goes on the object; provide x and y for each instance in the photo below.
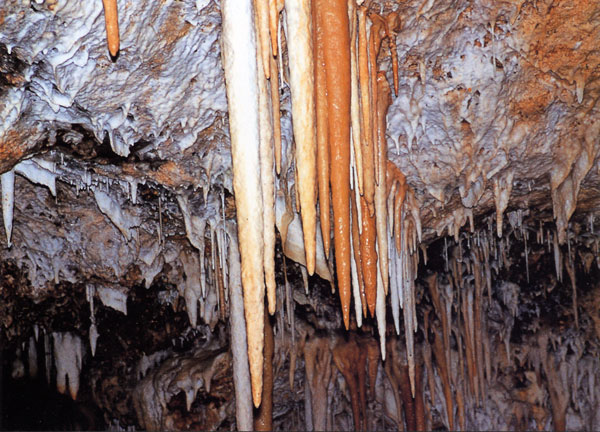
(264, 419)
(68, 352)
(111, 19)
(346, 356)
(32, 358)
(322, 127)
(300, 54)
(267, 177)
(8, 202)
(443, 368)
(241, 373)
(336, 36)
(317, 360)
(239, 62)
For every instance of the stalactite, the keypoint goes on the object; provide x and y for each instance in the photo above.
(355, 96)
(300, 54)
(239, 62)
(267, 176)
(111, 19)
(383, 102)
(336, 34)
(368, 255)
(570, 266)
(360, 297)
(392, 26)
(261, 9)
(8, 202)
(377, 34)
(241, 372)
(366, 112)
(322, 123)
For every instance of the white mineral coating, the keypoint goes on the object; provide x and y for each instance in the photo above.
(112, 209)
(114, 297)
(38, 171)
(8, 202)
(68, 355)
(74, 81)
(179, 373)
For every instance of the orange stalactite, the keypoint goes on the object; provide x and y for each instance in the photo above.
(321, 108)
(366, 128)
(336, 36)
(392, 26)
(111, 18)
(368, 256)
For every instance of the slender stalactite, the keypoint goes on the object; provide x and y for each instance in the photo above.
(267, 178)
(336, 36)
(355, 96)
(366, 110)
(239, 62)
(275, 104)
(357, 258)
(322, 127)
(261, 9)
(383, 102)
(300, 53)
(241, 373)
(111, 18)
(368, 256)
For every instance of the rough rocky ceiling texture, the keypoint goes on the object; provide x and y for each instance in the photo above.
(496, 107)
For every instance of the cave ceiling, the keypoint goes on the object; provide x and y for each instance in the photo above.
(123, 176)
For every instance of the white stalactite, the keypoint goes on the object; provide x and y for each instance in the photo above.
(239, 62)
(237, 322)
(8, 202)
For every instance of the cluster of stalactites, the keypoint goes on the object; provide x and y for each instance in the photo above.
(339, 101)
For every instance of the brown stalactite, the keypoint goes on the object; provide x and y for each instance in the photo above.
(419, 403)
(408, 403)
(440, 357)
